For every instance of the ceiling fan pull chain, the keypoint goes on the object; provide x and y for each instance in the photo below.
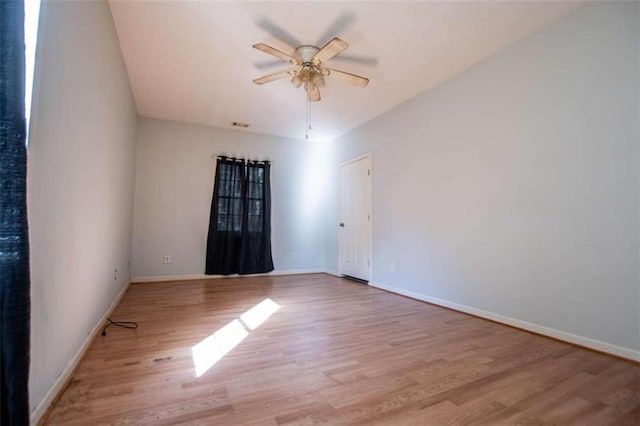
(306, 136)
(308, 114)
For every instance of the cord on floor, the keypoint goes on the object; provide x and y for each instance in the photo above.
(123, 324)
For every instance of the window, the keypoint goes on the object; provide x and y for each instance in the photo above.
(255, 196)
(230, 197)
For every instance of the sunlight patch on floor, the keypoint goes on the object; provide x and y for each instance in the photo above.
(259, 313)
(214, 347)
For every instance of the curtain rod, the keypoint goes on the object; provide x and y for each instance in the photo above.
(240, 160)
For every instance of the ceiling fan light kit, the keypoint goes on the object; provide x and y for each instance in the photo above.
(311, 69)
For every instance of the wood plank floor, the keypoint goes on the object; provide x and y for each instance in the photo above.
(335, 352)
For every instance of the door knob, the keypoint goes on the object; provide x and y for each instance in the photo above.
(341, 225)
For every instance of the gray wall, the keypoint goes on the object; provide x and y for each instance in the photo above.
(513, 188)
(81, 179)
(174, 184)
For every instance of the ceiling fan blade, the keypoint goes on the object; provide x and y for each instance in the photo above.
(267, 64)
(271, 77)
(277, 53)
(329, 50)
(313, 93)
(352, 79)
(278, 32)
(355, 59)
(338, 27)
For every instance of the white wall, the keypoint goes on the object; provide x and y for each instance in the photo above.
(174, 184)
(513, 188)
(80, 183)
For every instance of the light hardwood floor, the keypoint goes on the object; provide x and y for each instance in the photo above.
(335, 352)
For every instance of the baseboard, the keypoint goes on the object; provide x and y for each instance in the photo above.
(203, 276)
(587, 342)
(37, 415)
(160, 278)
(332, 272)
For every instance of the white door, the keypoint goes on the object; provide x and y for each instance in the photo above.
(355, 219)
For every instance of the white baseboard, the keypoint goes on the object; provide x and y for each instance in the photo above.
(203, 276)
(587, 342)
(159, 278)
(63, 378)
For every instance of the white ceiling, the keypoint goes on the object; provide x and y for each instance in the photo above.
(192, 61)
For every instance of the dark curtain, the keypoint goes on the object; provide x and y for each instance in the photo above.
(14, 240)
(239, 239)
(256, 233)
(224, 242)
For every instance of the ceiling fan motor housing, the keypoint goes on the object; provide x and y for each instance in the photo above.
(305, 53)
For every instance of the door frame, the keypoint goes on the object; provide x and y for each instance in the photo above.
(369, 157)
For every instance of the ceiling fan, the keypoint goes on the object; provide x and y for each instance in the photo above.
(310, 67)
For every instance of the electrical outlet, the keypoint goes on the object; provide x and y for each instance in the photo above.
(167, 258)
(392, 266)
(293, 255)
(115, 275)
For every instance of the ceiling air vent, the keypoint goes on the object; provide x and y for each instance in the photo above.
(239, 124)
